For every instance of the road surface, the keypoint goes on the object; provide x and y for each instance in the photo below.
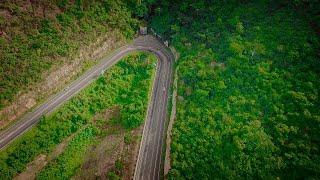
(149, 160)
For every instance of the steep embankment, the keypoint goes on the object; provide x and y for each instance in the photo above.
(44, 45)
(248, 89)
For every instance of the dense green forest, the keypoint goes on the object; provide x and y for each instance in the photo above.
(126, 86)
(34, 35)
(248, 102)
(248, 91)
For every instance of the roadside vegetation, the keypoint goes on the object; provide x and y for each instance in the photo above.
(248, 90)
(125, 86)
(65, 165)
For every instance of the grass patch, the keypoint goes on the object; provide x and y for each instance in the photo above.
(65, 165)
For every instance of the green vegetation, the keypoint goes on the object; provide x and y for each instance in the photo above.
(117, 172)
(126, 85)
(35, 35)
(248, 88)
(66, 164)
(248, 104)
(112, 176)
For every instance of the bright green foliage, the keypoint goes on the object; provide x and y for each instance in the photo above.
(248, 104)
(112, 176)
(67, 163)
(125, 85)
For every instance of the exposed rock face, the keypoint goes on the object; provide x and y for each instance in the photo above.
(30, 103)
(59, 76)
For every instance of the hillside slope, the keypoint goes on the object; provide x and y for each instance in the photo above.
(248, 89)
(45, 44)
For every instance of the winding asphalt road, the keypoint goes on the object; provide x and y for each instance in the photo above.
(149, 162)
